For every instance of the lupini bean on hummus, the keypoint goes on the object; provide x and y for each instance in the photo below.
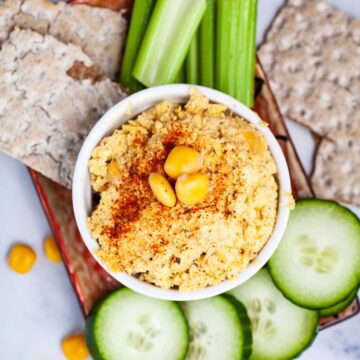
(183, 246)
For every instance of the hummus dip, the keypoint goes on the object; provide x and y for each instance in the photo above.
(183, 247)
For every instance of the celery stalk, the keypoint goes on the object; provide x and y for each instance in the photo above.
(180, 77)
(246, 76)
(167, 39)
(192, 62)
(139, 21)
(228, 46)
(235, 57)
(207, 46)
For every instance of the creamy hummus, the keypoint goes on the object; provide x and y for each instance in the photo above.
(183, 247)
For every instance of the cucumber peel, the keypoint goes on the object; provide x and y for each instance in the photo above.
(245, 323)
(334, 310)
(281, 329)
(126, 325)
(219, 329)
(317, 262)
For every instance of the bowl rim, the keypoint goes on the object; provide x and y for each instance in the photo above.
(127, 109)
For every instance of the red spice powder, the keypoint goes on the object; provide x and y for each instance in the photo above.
(135, 194)
(174, 137)
(158, 247)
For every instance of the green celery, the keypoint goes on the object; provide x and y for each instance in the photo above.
(246, 69)
(227, 44)
(235, 57)
(192, 62)
(207, 46)
(167, 39)
(180, 77)
(139, 21)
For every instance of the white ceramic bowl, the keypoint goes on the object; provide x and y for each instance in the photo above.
(128, 109)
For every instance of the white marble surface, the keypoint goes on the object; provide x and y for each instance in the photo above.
(38, 309)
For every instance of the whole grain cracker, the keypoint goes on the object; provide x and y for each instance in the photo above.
(99, 32)
(337, 170)
(8, 10)
(51, 94)
(312, 57)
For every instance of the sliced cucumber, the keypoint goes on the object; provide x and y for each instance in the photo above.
(317, 262)
(281, 329)
(334, 310)
(219, 329)
(130, 326)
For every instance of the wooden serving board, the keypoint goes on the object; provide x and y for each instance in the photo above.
(89, 280)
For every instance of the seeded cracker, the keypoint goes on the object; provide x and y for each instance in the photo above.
(8, 10)
(51, 94)
(99, 32)
(337, 170)
(312, 57)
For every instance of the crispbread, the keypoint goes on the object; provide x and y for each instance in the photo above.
(312, 57)
(51, 94)
(99, 32)
(8, 10)
(337, 170)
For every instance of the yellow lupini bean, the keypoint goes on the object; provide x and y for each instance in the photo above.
(74, 347)
(162, 189)
(21, 258)
(182, 160)
(191, 189)
(51, 250)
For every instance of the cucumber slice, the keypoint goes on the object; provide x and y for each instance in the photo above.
(281, 329)
(334, 310)
(317, 262)
(219, 329)
(130, 326)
